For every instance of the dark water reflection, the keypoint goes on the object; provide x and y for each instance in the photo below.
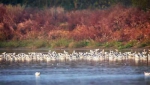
(127, 72)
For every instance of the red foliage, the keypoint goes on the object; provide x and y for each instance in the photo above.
(117, 23)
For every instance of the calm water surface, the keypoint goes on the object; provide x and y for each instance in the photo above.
(74, 73)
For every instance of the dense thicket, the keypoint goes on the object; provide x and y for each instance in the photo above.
(99, 20)
(78, 4)
(116, 23)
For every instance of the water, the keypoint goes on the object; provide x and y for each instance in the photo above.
(81, 72)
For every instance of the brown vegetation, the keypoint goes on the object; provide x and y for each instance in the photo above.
(116, 23)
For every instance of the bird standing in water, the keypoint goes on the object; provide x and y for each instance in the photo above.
(37, 73)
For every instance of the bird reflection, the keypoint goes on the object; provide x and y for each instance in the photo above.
(37, 79)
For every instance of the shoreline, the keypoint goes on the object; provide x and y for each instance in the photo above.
(82, 48)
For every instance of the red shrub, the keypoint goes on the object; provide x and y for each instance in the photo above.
(117, 23)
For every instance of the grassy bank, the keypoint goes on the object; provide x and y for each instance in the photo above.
(65, 43)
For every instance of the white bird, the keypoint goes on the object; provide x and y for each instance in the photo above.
(37, 73)
(147, 73)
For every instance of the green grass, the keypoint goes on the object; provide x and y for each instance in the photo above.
(82, 43)
(8, 44)
(59, 43)
(130, 44)
(37, 44)
(114, 44)
(24, 43)
(70, 43)
(93, 44)
(107, 44)
(143, 43)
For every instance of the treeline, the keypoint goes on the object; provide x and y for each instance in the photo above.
(117, 23)
(78, 4)
(127, 25)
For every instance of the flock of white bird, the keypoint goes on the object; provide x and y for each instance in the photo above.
(91, 55)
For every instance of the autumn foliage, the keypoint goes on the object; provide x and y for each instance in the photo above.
(117, 23)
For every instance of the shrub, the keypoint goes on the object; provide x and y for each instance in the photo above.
(83, 27)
